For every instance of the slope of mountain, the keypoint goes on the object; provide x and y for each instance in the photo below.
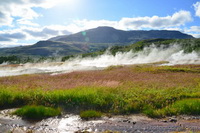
(53, 48)
(187, 45)
(45, 48)
(89, 41)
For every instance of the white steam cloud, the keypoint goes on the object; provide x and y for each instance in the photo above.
(174, 55)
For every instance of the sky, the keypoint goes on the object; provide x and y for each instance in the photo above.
(25, 22)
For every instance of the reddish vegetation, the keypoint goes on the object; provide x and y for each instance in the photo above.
(127, 76)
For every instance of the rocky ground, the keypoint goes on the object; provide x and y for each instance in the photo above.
(72, 123)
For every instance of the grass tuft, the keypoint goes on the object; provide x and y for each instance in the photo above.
(37, 112)
(90, 114)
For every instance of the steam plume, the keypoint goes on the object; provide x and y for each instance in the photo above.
(173, 54)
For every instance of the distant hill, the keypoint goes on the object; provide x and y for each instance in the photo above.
(89, 41)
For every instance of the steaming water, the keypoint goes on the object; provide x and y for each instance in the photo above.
(174, 55)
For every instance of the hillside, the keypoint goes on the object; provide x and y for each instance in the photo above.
(187, 45)
(89, 41)
(46, 48)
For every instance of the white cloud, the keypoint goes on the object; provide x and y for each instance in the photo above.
(43, 33)
(195, 35)
(5, 19)
(80, 25)
(173, 28)
(194, 31)
(62, 30)
(155, 22)
(22, 9)
(32, 33)
(26, 22)
(177, 19)
(11, 35)
(197, 8)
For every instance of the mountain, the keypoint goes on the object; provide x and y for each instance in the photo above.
(111, 35)
(89, 41)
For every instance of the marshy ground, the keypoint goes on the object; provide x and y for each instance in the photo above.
(154, 91)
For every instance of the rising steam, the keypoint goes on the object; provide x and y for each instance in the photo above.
(173, 54)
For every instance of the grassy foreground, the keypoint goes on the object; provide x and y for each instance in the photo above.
(156, 91)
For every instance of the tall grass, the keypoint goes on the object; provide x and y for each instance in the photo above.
(117, 100)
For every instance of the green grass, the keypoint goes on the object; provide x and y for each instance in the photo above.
(37, 112)
(185, 106)
(88, 114)
(172, 69)
(163, 69)
(117, 101)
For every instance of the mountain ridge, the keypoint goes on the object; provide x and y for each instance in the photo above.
(89, 41)
(105, 34)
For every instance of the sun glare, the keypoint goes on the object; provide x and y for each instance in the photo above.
(66, 2)
(70, 5)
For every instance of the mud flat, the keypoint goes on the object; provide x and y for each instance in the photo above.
(70, 123)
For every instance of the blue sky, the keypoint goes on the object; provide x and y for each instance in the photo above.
(24, 22)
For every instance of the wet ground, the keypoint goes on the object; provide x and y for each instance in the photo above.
(69, 123)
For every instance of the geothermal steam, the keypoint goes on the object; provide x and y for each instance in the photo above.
(174, 55)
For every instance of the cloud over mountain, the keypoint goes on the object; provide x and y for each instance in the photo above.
(177, 19)
(155, 22)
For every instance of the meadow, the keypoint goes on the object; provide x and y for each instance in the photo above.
(156, 91)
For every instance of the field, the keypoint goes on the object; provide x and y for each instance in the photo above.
(156, 91)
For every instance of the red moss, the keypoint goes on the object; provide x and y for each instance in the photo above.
(127, 76)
